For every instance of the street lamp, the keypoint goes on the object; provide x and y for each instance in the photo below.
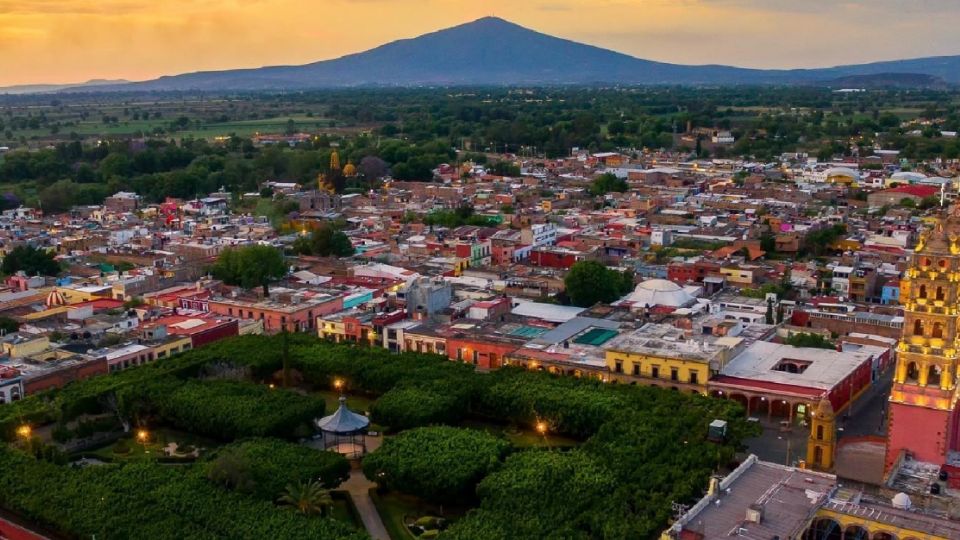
(542, 428)
(143, 436)
(24, 432)
(338, 384)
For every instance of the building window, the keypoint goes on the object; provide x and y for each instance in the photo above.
(476, 357)
(933, 376)
(674, 374)
(636, 369)
(923, 291)
(655, 372)
(912, 372)
(937, 331)
(459, 354)
(918, 327)
(619, 366)
(939, 293)
(819, 433)
(694, 378)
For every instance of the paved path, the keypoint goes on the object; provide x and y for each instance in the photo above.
(359, 489)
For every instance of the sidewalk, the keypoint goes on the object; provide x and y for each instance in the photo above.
(359, 489)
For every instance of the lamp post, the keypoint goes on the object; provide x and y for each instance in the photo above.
(542, 428)
(24, 432)
(143, 436)
(338, 384)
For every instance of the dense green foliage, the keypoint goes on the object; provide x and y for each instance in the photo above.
(541, 495)
(589, 282)
(815, 341)
(264, 467)
(650, 442)
(324, 241)
(409, 406)
(229, 410)
(29, 260)
(146, 500)
(440, 464)
(607, 183)
(250, 266)
(163, 146)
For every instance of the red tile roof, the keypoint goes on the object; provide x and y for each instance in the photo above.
(916, 191)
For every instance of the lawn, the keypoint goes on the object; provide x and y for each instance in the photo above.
(358, 404)
(153, 448)
(395, 508)
(522, 438)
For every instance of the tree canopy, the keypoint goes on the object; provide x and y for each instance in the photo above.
(250, 266)
(607, 183)
(437, 463)
(31, 261)
(324, 241)
(589, 282)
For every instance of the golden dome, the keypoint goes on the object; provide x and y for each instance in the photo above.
(349, 169)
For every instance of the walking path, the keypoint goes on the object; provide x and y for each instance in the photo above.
(359, 489)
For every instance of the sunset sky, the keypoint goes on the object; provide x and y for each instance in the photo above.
(57, 41)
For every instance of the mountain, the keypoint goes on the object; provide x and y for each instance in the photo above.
(492, 51)
(46, 88)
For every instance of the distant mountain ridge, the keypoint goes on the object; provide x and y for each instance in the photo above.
(44, 88)
(492, 51)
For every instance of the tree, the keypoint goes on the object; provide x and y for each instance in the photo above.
(250, 266)
(31, 261)
(231, 470)
(437, 463)
(324, 241)
(814, 341)
(373, 168)
(8, 325)
(606, 183)
(589, 282)
(309, 498)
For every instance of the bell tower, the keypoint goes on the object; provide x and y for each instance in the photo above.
(823, 437)
(923, 419)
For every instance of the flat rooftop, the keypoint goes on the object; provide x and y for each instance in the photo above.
(825, 368)
(785, 496)
(665, 341)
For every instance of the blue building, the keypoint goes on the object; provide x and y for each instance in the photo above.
(890, 293)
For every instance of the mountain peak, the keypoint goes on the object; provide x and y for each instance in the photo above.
(494, 51)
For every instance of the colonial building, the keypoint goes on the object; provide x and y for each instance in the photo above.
(923, 415)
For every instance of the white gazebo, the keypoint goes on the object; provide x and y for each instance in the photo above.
(344, 431)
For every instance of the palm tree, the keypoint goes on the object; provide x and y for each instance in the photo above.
(308, 498)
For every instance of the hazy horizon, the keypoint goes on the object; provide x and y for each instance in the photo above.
(72, 41)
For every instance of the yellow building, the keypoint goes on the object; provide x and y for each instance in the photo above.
(19, 345)
(641, 357)
(821, 444)
(175, 345)
(742, 275)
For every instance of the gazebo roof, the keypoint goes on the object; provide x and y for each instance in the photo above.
(343, 421)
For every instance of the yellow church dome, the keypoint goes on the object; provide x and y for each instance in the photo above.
(349, 170)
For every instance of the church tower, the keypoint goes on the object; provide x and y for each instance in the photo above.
(923, 419)
(823, 437)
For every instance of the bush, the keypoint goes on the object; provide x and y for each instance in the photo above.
(264, 467)
(437, 463)
(146, 500)
(228, 410)
(121, 447)
(407, 407)
(541, 494)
